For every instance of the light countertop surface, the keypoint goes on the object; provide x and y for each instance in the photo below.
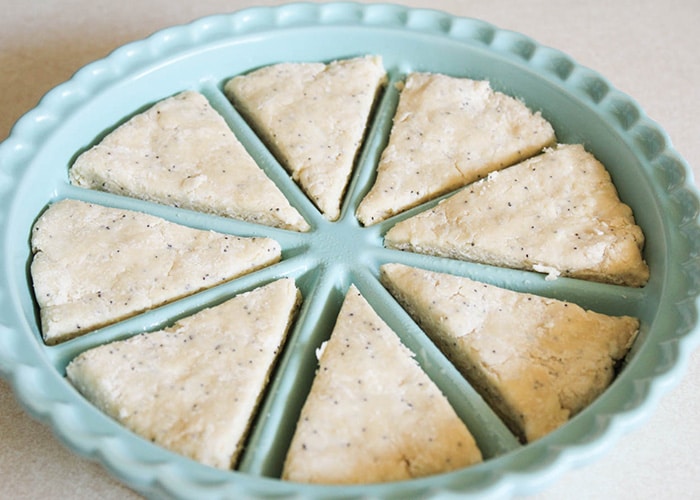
(646, 48)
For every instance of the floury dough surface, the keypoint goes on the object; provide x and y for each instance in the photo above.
(94, 265)
(372, 414)
(193, 387)
(536, 361)
(557, 213)
(313, 116)
(180, 152)
(446, 133)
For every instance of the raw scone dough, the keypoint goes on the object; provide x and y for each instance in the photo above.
(537, 361)
(193, 387)
(372, 414)
(181, 153)
(448, 132)
(313, 117)
(93, 265)
(557, 213)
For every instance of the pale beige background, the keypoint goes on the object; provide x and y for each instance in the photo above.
(647, 48)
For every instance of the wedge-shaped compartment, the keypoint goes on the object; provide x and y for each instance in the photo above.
(372, 414)
(537, 361)
(194, 387)
(557, 213)
(94, 265)
(313, 116)
(181, 152)
(448, 132)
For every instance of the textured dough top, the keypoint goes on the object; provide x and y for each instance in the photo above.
(372, 414)
(94, 265)
(313, 117)
(558, 212)
(536, 360)
(181, 152)
(448, 132)
(193, 387)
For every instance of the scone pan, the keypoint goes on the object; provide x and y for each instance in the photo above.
(583, 107)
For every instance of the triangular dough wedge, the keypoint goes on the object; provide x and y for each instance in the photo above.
(313, 117)
(372, 414)
(449, 132)
(93, 265)
(537, 361)
(193, 388)
(557, 213)
(180, 152)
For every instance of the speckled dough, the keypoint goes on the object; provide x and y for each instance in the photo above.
(93, 265)
(557, 213)
(448, 132)
(537, 361)
(372, 414)
(180, 152)
(193, 387)
(313, 117)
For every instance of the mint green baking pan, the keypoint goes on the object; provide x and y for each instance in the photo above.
(583, 108)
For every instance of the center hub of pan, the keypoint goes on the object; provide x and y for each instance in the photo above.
(344, 242)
